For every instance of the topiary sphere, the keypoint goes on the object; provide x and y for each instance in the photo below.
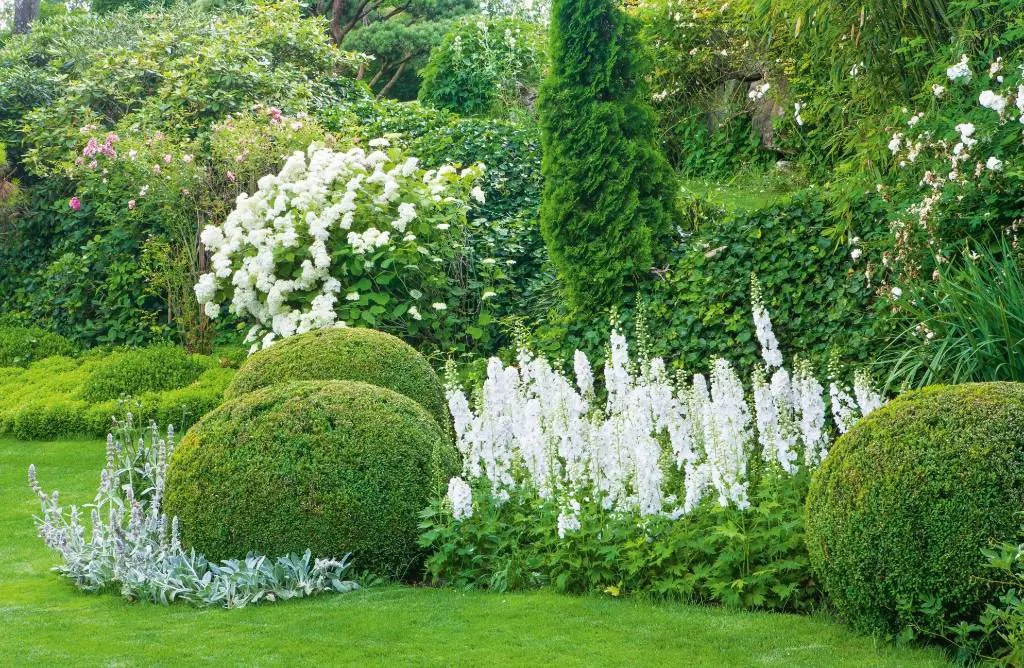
(330, 466)
(364, 355)
(905, 502)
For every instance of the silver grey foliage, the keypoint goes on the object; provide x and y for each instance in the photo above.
(132, 547)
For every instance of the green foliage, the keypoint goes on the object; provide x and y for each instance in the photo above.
(134, 372)
(966, 326)
(176, 82)
(752, 559)
(708, 58)
(898, 513)
(485, 67)
(20, 346)
(347, 353)
(504, 227)
(45, 400)
(398, 38)
(817, 294)
(997, 636)
(334, 467)
(609, 193)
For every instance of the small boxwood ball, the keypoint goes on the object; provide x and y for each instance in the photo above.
(335, 467)
(347, 353)
(905, 502)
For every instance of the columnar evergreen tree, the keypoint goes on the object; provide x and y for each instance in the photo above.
(609, 192)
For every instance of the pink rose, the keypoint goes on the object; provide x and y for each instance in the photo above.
(231, 176)
(75, 204)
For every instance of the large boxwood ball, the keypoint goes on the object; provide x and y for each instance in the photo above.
(902, 507)
(331, 466)
(346, 353)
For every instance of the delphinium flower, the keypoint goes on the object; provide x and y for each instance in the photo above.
(461, 498)
(763, 326)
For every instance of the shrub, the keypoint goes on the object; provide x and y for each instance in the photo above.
(485, 67)
(134, 372)
(19, 346)
(609, 193)
(898, 513)
(403, 264)
(363, 355)
(44, 401)
(334, 467)
(136, 549)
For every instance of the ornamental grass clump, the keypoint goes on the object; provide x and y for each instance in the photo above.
(899, 513)
(129, 543)
(357, 354)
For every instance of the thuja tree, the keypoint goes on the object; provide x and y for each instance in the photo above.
(609, 193)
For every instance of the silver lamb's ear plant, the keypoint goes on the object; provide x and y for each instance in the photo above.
(134, 547)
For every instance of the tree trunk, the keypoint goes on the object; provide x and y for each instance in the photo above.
(394, 77)
(337, 7)
(25, 12)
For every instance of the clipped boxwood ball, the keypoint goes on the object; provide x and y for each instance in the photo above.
(903, 505)
(365, 355)
(330, 466)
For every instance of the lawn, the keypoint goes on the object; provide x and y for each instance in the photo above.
(46, 621)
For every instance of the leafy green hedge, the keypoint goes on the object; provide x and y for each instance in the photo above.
(350, 353)
(48, 399)
(817, 295)
(133, 372)
(20, 346)
(334, 467)
(899, 512)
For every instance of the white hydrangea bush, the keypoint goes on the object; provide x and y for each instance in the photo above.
(537, 431)
(344, 237)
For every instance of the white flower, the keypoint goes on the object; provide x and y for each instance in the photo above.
(759, 91)
(352, 297)
(379, 142)
(461, 498)
(897, 293)
(993, 101)
(895, 143)
(415, 313)
(439, 306)
(488, 294)
(477, 194)
(994, 164)
(961, 71)
(855, 253)
(796, 113)
(938, 90)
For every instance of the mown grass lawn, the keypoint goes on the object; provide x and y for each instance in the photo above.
(45, 621)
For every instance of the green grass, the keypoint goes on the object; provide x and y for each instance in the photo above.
(45, 621)
(746, 191)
